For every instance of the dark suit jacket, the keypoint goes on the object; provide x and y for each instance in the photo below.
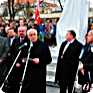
(87, 60)
(16, 44)
(14, 50)
(67, 66)
(3, 48)
(3, 55)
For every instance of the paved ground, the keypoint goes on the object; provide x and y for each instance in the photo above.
(52, 89)
(56, 90)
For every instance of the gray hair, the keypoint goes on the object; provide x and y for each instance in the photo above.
(31, 30)
(91, 31)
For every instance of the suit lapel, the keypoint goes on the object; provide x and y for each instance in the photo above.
(63, 46)
(69, 47)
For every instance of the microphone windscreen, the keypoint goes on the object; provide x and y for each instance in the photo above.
(25, 44)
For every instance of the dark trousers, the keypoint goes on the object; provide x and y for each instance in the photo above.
(69, 88)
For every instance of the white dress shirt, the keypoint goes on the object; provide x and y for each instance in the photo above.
(67, 45)
(11, 41)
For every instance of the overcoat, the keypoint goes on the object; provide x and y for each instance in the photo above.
(68, 64)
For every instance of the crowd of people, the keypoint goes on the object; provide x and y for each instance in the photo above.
(46, 29)
(29, 43)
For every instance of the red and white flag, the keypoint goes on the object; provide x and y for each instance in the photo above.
(37, 14)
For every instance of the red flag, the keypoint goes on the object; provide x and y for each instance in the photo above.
(37, 15)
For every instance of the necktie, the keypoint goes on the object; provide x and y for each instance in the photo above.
(21, 40)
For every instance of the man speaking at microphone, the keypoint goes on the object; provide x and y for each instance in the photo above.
(36, 71)
(35, 76)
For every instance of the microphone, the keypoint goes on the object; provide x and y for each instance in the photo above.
(25, 44)
(24, 59)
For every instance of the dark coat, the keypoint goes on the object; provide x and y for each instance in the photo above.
(87, 60)
(35, 79)
(67, 66)
(4, 48)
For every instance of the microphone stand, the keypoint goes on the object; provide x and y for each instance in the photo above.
(21, 83)
(10, 69)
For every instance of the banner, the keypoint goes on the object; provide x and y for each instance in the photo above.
(74, 17)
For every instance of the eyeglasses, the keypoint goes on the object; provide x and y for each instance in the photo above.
(32, 34)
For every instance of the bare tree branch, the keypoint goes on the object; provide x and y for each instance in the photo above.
(60, 4)
(9, 9)
(13, 9)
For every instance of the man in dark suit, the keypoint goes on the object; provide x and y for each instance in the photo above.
(3, 54)
(86, 66)
(13, 44)
(15, 41)
(11, 36)
(68, 60)
(22, 30)
(36, 72)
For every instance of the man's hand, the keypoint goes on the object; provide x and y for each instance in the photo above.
(36, 60)
(17, 65)
(86, 87)
(80, 66)
(9, 54)
(1, 61)
(82, 71)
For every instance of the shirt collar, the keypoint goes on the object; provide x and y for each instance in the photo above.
(71, 41)
(12, 37)
(21, 38)
(91, 45)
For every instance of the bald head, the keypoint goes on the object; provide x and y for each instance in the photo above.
(32, 35)
(22, 28)
(22, 31)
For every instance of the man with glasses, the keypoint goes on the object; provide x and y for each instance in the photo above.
(35, 76)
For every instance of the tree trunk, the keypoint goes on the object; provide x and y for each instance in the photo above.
(9, 7)
(13, 12)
